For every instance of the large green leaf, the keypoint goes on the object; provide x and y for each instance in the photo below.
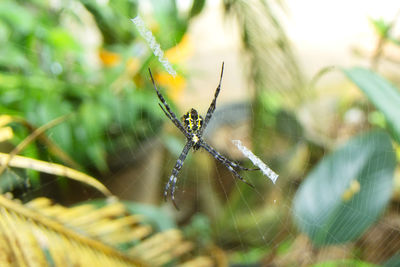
(346, 192)
(393, 261)
(197, 7)
(381, 93)
(345, 262)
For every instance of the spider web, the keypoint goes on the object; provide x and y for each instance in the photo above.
(268, 231)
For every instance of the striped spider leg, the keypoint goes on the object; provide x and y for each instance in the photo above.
(227, 163)
(168, 112)
(193, 126)
(175, 171)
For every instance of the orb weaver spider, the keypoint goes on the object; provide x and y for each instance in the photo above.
(193, 127)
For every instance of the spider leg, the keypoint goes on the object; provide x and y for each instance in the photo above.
(168, 112)
(213, 103)
(228, 164)
(174, 176)
(240, 167)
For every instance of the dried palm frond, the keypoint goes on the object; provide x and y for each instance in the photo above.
(40, 233)
(13, 160)
(52, 168)
(6, 133)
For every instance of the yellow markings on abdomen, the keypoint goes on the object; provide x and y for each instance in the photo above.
(199, 122)
(190, 120)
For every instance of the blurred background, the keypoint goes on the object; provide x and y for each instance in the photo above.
(310, 87)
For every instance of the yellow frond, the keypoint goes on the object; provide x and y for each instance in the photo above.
(6, 133)
(52, 168)
(5, 119)
(40, 233)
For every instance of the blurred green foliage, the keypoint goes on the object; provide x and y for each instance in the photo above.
(350, 188)
(384, 95)
(47, 71)
(347, 191)
(347, 262)
(393, 261)
(383, 30)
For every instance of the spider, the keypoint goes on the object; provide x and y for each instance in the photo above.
(193, 127)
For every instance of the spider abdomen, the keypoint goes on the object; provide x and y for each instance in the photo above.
(192, 121)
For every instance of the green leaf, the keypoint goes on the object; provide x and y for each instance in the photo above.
(95, 118)
(393, 261)
(381, 26)
(346, 262)
(46, 110)
(346, 192)
(62, 40)
(12, 57)
(169, 20)
(11, 179)
(381, 93)
(288, 126)
(97, 154)
(16, 16)
(197, 7)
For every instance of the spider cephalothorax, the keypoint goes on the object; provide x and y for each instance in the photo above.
(193, 128)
